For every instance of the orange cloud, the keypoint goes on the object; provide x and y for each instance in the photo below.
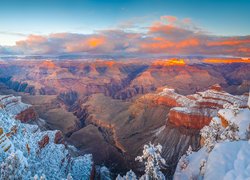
(229, 42)
(188, 43)
(85, 44)
(96, 41)
(159, 44)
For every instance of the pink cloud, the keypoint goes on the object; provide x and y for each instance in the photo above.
(169, 19)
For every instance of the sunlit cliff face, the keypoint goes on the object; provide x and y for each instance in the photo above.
(226, 61)
(171, 62)
(48, 64)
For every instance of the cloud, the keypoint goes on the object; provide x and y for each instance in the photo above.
(170, 35)
(169, 19)
(13, 33)
(176, 36)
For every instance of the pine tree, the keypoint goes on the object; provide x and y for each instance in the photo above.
(153, 162)
(130, 175)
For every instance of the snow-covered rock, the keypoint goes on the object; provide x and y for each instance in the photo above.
(242, 119)
(16, 108)
(196, 110)
(228, 157)
(13, 104)
(53, 160)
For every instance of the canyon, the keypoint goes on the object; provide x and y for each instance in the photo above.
(110, 109)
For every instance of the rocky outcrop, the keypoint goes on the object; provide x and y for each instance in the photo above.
(196, 110)
(27, 115)
(59, 139)
(43, 142)
(21, 111)
(194, 118)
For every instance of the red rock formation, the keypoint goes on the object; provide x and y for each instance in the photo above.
(216, 87)
(27, 115)
(168, 101)
(59, 138)
(43, 142)
(195, 111)
(194, 118)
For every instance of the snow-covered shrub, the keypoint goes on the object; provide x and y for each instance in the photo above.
(230, 132)
(14, 166)
(214, 133)
(183, 162)
(69, 177)
(235, 107)
(43, 177)
(189, 151)
(130, 175)
(105, 173)
(211, 134)
(153, 161)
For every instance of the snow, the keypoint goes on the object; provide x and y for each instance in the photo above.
(53, 160)
(229, 161)
(195, 111)
(248, 103)
(192, 171)
(242, 119)
(228, 157)
(222, 97)
(180, 99)
(13, 104)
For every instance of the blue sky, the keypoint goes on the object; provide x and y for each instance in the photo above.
(22, 17)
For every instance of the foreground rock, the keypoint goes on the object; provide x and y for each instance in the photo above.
(37, 152)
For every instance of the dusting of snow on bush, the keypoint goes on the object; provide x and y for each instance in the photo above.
(49, 160)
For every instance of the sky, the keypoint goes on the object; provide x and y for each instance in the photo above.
(30, 24)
